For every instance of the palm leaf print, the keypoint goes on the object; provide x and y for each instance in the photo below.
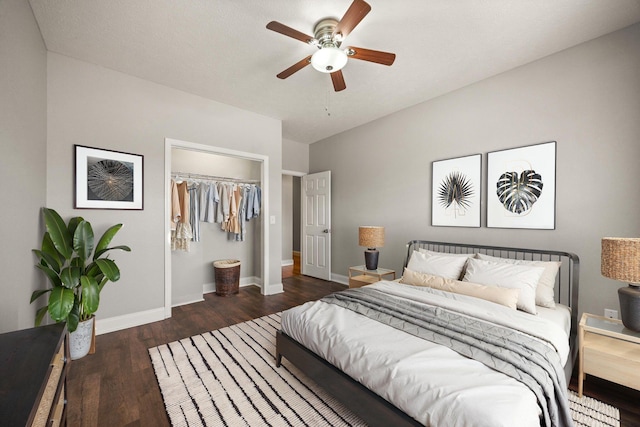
(457, 188)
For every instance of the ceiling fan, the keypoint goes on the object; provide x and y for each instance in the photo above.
(328, 35)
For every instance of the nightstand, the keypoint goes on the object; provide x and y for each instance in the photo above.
(360, 276)
(608, 350)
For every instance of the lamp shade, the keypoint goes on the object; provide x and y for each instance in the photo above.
(621, 259)
(371, 236)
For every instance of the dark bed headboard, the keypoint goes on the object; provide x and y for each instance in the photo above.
(567, 281)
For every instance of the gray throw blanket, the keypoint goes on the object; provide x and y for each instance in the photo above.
(503, 349)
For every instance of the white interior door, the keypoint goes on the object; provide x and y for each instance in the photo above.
(316, 225)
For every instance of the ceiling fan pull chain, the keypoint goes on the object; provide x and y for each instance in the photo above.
(327, 104)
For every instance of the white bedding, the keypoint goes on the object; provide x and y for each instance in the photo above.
(429, 382)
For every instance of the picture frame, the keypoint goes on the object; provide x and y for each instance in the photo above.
(521, 187)
(107, 179)
(456, 191)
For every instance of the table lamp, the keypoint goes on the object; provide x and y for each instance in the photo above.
(371, 237)
(621, 261)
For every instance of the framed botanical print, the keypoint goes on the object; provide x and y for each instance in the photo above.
(521, 187)
(106, 179)
(456, 192)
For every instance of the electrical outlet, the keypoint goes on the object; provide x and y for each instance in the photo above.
(610, 314)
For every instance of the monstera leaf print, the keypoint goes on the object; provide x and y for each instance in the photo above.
(457, 188)
(518, 194)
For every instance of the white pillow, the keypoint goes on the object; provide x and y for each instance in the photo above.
(437, 265)
(545, 296)
(524, 278)
(503, 296)
(427, 251)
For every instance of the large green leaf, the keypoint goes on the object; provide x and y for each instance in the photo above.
(40, 314)
(52, 275)
(90, 295)
(37, 294)
(74, 316)
(48, 260)
(60, 303)
(83, 240)
(109, 269)
(121, 247)
(49, 247)
(106, 239)
(73, 224)
(70, 277)
(58, 232)
(101, 281)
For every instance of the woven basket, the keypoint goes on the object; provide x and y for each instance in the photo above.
(227, 275)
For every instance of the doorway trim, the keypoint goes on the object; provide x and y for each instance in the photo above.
(264, 178)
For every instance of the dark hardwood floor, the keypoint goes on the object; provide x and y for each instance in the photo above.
(117, 386)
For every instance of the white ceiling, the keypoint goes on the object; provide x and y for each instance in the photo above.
(221, 50)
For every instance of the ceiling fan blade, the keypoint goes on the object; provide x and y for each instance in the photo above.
(338, 81)
(384, 58)
(288, 31)
(295, 67)
(356, 12)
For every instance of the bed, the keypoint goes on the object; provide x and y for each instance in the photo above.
(422, 382)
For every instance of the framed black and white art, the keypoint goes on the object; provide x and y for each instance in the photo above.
(521, 187)
(456, 192)
(107, 179)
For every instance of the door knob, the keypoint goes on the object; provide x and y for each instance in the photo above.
(326, 230)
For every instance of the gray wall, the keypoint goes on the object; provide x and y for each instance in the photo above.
(586, 98)
(101, 108)
(295, 156)
(190, 271)
(23, 137)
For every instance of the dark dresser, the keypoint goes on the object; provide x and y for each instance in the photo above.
(33, 372)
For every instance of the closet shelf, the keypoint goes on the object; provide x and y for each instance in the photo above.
(202, 177)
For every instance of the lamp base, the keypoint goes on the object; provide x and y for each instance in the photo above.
(629, 297)
(371, 259)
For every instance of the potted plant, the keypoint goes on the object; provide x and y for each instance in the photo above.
(77, 271)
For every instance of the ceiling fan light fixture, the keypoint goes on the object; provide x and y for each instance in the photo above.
(329, 59)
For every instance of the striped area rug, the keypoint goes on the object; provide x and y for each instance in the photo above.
(228, 378)
(590, 412)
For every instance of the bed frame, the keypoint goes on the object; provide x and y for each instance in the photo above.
(376, 411)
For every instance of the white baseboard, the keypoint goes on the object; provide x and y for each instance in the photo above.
(340, 279)
(287, 262)
(275, 288)
(117, 323)
(190, 299)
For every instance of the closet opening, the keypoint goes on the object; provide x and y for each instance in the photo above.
(189, 271)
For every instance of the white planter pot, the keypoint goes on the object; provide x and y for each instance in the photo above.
(80, 339)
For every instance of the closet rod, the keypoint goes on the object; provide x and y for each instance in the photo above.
(188, 175)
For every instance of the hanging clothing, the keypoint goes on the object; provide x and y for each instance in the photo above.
(234, 208)
(175, 206)
(182, 234)
(194, 212)
(226, 193)
(209, 200)
(242, 221)
(253, 205)
(231, 204)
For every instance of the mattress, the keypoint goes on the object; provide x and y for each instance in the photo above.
(429, 382)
